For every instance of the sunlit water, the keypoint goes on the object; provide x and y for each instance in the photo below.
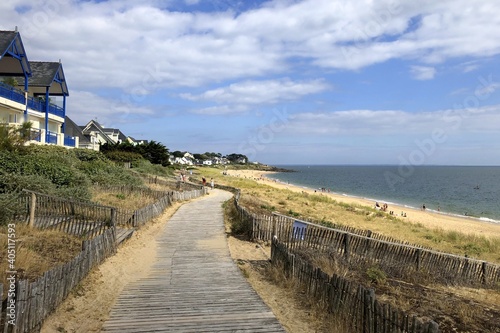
(460, 190)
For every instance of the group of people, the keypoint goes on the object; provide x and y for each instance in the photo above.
(384, 209)
(204, 182)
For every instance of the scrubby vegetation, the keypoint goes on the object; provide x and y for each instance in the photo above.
(59, 171)
(319, 208)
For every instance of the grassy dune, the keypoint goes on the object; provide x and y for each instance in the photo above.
(325, 210)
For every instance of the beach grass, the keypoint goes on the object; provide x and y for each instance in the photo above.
(320, 208)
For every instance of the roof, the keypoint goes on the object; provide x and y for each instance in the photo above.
(94, 125)
(13, 58)
(115, 131)
(72, 129)
(47, 74)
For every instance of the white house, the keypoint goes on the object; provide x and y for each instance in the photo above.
(35, 92)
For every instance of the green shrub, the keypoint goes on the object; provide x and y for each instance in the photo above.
(123, 156)
(9, 205)
(376, 275)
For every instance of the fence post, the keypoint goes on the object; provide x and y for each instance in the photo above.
(113, 217)
(346, 246)
(433, 327)
(32, 210)
(483, 272)
(418, 255)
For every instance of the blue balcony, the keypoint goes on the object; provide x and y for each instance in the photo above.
(51, 137)
(11, 93)
(36, 104)
(56, 110)
(36, 134)
(69, 141)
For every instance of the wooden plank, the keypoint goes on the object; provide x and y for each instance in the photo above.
(194, 285)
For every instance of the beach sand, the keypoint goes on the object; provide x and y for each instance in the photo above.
(427, 218)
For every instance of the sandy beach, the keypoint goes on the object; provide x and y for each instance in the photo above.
(428, 218)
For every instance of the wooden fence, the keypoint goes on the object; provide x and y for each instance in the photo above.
(87, 220)
(173, 184)
(355, 305)
(137, 218)
(359, 245)
(82, 219)
(34, 301)
(127, 190)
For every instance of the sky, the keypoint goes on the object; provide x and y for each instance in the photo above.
(283, 82)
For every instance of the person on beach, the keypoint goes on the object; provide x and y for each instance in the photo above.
(423, 207)
(204, 181)
(212, 183)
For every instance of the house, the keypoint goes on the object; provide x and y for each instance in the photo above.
(187, 159)
(135, 142)
(97, 135)
(32, 91)
(84, 141)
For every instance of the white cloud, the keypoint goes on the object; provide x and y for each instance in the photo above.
(84, 105)
(385, 123)
(423, 72)
(116, 43)
(260, 92)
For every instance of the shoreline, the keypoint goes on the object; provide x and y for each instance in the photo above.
(390, 203)
(429, 218)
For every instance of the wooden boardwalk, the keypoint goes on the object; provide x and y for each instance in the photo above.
(194, 286)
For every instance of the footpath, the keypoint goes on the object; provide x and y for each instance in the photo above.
(194, 285)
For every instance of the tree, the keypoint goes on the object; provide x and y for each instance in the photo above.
(13, 137)
(178, 153)
(153, 151)
(10, 81)
(200, 156)
(237, 158)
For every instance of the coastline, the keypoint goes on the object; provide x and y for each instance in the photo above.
(429, 218)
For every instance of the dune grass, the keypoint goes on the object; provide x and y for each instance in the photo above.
(262, 198)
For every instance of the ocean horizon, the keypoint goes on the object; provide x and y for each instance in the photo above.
(464, 191)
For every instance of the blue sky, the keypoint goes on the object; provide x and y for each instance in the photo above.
(285, 81)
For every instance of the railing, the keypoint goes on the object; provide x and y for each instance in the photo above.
(36, 104)
(56, 110)
(69, 141)
(36, 134)
(11, 93)
(51, 137)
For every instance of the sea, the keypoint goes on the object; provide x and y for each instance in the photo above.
(466, 191)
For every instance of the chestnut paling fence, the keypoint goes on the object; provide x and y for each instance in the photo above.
(354, 304)
(28, 303)
(87, 220)
(364, 245)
